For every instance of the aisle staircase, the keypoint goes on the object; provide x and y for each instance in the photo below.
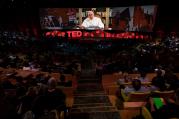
(90, 100)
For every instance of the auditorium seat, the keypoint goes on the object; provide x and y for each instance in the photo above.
(165, 94)
(135, 96)
(146, 113)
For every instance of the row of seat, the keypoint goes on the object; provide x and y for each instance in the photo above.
(110, 78)
(143, 96)
(68, 91)
(109, 81)
(110, 86)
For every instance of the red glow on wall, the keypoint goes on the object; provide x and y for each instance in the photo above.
(48, 34)
(95, 34)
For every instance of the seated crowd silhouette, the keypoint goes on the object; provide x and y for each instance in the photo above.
(164, 87)
(32, 98)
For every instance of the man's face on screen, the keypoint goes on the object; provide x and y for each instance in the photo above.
(90, 14)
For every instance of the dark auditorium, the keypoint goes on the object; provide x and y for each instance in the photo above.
(89, 59)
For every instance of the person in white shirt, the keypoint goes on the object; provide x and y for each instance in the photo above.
(143, 77)
(136, 87)
(92, 22)
(126, 78)
(26, 67)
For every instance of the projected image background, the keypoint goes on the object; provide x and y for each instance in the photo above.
(138, 18)
(132, 18)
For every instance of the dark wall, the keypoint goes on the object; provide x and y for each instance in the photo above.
(71, 3)
(20, 19)
(27, 16)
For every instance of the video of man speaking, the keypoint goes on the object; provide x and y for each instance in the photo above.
(132, 18)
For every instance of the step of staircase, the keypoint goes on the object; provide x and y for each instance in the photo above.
(86, 91)
(89, 80)
(94, 109)
(91, 96)
(83, 93)
(96, 115)
(91, 105)
(91, 99)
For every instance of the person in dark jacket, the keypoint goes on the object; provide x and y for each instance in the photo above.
(170, 108)
(52, 99)
(159, 81)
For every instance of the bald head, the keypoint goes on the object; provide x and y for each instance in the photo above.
(52, 83)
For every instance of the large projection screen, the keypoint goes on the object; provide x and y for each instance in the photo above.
(132, 18)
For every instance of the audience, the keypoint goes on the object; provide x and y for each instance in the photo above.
(8, 108)
(26, 101)
(136, 87)
(170, 109)
(40, 94)
(64, 82)
(26, 67)
(55, 97)
(39, 78)
(143, 77)
(159, 81)
(171, 79)
(35, 68)
(52, 98)
(99, 69)
(124, 79)
(6, 84)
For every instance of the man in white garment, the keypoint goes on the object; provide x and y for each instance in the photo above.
(92, 22)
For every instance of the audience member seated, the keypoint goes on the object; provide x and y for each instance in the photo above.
(42, 87)
(2, 93)
(126, 78)
(12, 60)
(143, 77)
(8, 108)
(136, 87)
(45, 79)
(6, 84)
(171, 79)
(22, 82)
(99, 70)
(55, 96)
(159, 81)
(78, 70)
(26, 67)
(20, 91)
(26, 101)
(63, 81)
(52, 99)
(35, 67)
(39, 77)
(170, 108)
